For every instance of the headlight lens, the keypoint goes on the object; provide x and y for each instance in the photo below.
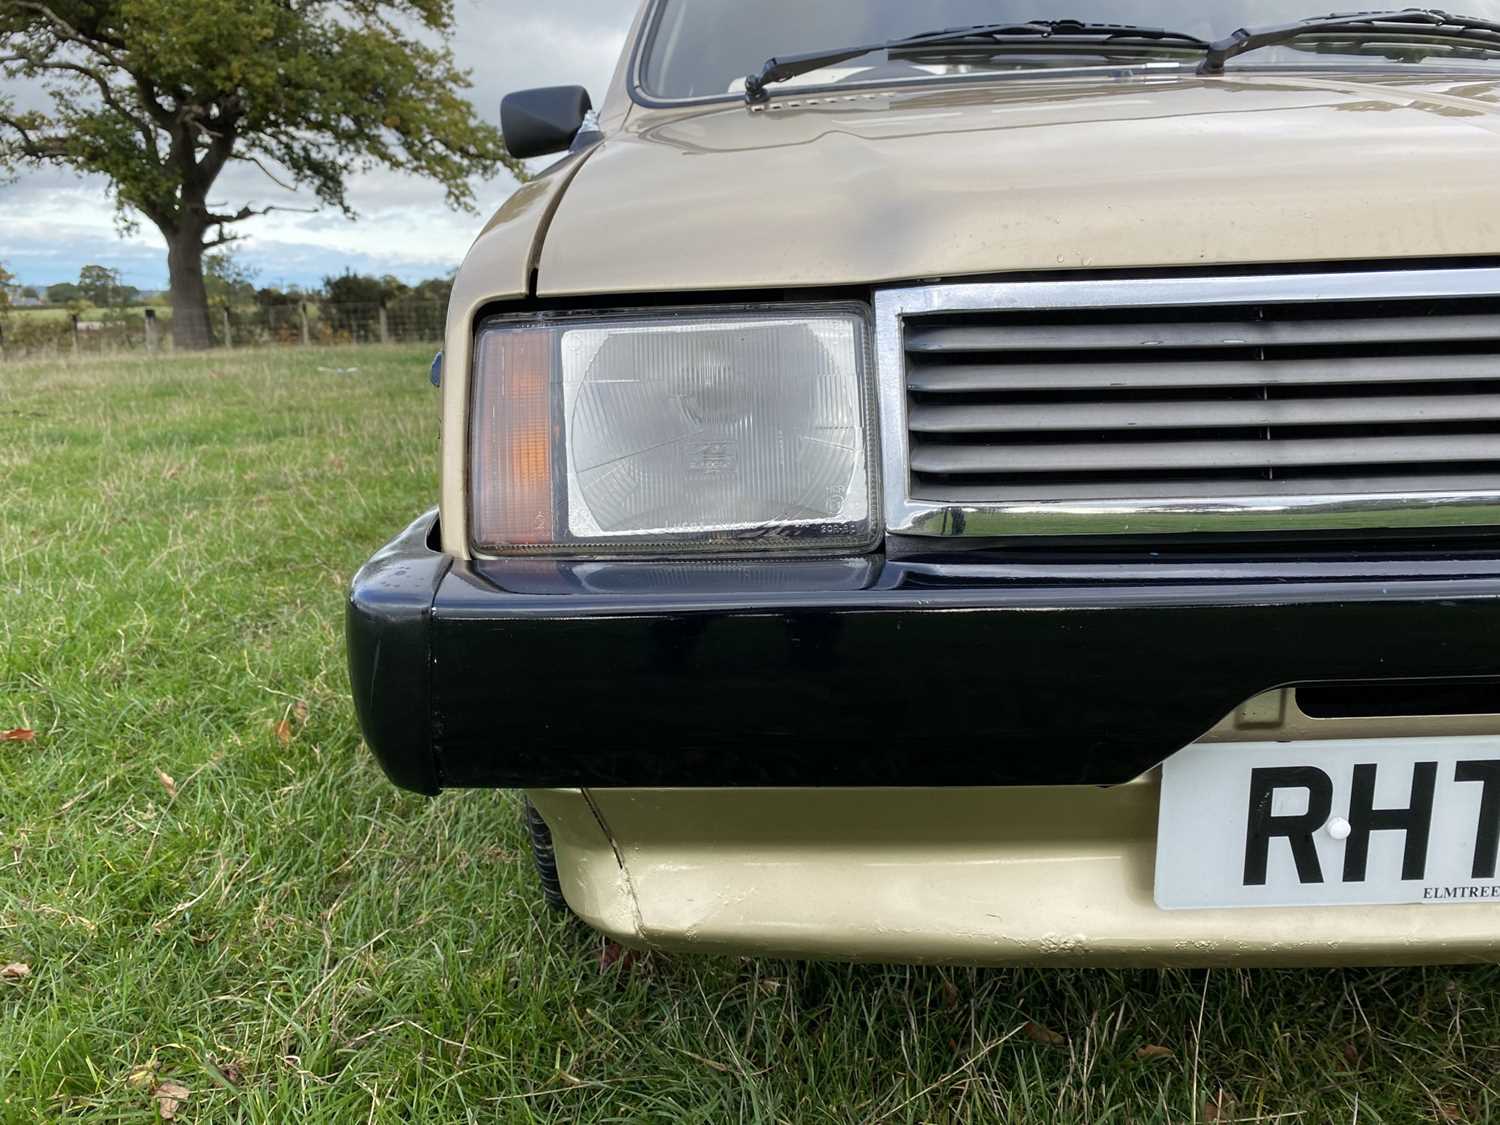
(725, 431)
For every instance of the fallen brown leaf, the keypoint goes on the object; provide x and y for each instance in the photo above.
(16, 970)
(1038, 1033)
(169, 1097)
(1450, 1112)
(1154, 1051)
(283, 731)
(18, 734)
(1221, 1108)
(950, 995)
(299, 709)
(140, 1077)
(166, 781)
(616, 956)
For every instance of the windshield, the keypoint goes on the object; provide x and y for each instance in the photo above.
(701, 48)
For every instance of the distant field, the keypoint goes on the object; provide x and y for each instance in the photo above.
(213, 888)
(33, 313)
(135, 312)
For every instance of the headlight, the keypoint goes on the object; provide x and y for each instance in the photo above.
(731, 430)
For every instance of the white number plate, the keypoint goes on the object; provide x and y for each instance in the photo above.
(1330, 823)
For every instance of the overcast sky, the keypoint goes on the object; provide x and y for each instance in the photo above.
(52, 223)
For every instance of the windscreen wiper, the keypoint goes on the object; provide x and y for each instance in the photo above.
(1409, 23)
(1036, 34)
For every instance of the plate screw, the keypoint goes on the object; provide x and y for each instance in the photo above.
(1339, 828)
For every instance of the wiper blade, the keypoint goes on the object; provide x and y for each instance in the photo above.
(1427, 23)
(1004, 36)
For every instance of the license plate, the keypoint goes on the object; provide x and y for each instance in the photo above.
(1330, 823)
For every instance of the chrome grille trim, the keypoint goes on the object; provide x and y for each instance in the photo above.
(1458, 499)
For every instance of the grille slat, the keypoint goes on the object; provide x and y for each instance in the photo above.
(1317, 398)
(1389, 484)
(1179, 455)
(947, 339)
(1331, 370)
(961, 418)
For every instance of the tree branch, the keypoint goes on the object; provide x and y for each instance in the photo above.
(107, 93)
(32, 147)
(249, 212)
(96, 44)
(246, 212)
(220, 148)
(108, 48)
(251, 159)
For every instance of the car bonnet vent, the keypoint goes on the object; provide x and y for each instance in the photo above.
(1336, 402)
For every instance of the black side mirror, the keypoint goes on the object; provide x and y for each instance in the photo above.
(536, 122)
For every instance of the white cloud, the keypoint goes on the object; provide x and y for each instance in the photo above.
(53, 222)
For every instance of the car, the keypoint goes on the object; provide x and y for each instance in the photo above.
(918, 488)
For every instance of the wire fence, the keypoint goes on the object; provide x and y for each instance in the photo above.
(28, 333)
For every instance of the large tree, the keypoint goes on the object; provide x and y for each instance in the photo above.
(161, 96)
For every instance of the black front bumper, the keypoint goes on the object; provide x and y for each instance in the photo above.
(864, 672)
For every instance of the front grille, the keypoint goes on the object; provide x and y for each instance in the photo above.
(1200, 403)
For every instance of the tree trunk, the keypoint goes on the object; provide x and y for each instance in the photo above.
(190, 329)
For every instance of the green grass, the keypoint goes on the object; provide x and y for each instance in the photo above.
(291, 939)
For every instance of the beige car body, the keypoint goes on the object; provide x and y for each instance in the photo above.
(985, 876)
(889, 185)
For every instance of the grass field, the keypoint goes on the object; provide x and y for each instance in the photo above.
(227, 913)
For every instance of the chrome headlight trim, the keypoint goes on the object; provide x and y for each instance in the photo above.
(802, 537)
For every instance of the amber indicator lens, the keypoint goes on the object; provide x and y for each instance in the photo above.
(511, 455)
(733, 431)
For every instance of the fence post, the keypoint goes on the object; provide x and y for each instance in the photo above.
(306, 335)
(75, 333)
(385, 327)
(228, 332)
(150, 330)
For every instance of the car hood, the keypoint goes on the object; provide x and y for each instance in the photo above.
(1033, 175)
